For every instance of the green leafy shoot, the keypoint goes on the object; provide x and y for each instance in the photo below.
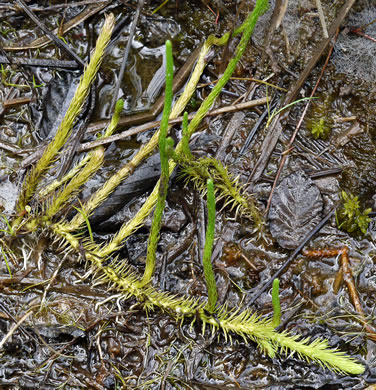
(115, 118)
(99, 196)
(4, 73)
(247, 29)
(5, 31)
(66, 125)
(209, 240)
(226, 187)
(276, 304)
(35, 85)
(67, 192)
(164, 151)
(350, 217)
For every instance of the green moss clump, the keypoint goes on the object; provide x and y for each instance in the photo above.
(319, 122)
(350, 217)
(319, 128)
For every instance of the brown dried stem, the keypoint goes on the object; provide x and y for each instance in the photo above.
(349, 280)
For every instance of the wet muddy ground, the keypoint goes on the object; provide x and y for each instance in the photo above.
(79, 337)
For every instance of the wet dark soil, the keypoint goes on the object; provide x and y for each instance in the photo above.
(76, 335)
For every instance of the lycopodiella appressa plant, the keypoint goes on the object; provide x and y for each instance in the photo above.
(119, 276)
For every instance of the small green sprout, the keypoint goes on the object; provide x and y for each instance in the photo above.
(319, 128)
(5, 31)
(319, 122)
(276, 304)
(165, 149)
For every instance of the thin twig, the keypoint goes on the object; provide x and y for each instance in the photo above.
(139, 119)
(52, 36)
(68, 5)
(292, 139)
(282, 5)
(39, 62)
(14, 328)
(276, 129)
(359, 32)
(151, 125)
(315, 230)
(126, 54)
(255, 128)
(9, 103)
(322, 19)
(13, 148)
(349, 280)
(52, 279)
(44, 40)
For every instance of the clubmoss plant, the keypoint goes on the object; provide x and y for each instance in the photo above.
(127, 229)
(94, 162)
(84, 161)
(118, 276)
(65, 128)
(102, 193)
(226, 187)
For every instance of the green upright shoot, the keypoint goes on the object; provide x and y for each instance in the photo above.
(208, 268)
(276, 304)
(249, 25)
(163, 186)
